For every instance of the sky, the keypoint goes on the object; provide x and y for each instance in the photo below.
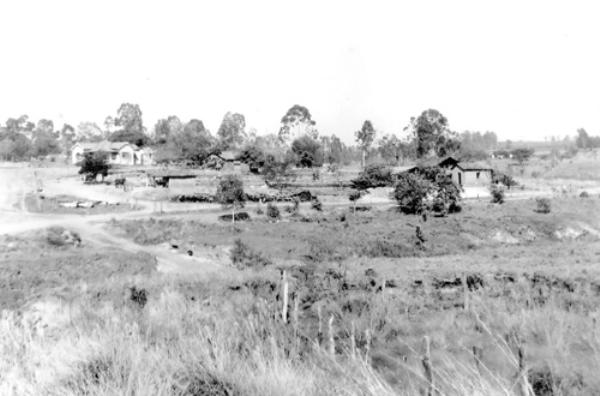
(526, 70)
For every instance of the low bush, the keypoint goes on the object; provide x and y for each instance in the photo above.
(584, 194)
(542, 205)
(242, 256)
(273, 211)
(316, 205)
(138, 296)
(239, 216)
(497, 194)
(59, 236)
(374, 175)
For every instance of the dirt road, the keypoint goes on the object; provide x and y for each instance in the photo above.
(16, 182)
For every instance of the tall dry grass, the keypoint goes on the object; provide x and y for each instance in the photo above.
(227, 345)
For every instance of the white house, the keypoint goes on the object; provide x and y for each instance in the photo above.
(119, 153)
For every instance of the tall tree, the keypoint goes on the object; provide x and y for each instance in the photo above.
(336, 151)
(432, 134)
(365, 137)
(232, 132)
(166, 129)
(45, 140)
(129, 120)
(390, 149)
(297, 122)
(88, 132)
(67, 138)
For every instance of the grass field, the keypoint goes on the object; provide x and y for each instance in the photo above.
(506, 296)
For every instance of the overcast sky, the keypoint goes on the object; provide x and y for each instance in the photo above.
(524, 69)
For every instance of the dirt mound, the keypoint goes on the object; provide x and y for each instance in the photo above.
(59, 236)
(504, 237)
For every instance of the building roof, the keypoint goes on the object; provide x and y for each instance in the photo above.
(105, 145)
(451, 162)
(475, 165)
(229, 155)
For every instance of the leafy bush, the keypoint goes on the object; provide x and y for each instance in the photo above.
(94, 164)
(316, 205)
(59, 236)
(504, 179)
(273, 211)
(584, 194)
(374, 175)
(308, 152)
(230, 193)
(242, 256)
(428, 189)
(412, 192)
(542, 205)
(254, 157)
(239, 216)
(497, 194)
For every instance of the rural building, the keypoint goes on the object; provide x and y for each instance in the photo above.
(464, 174)
(119, 153)
(227, 161)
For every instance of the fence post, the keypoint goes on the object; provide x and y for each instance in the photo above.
(427, 367)
(465, 292)
(284, 309)
(331, 340)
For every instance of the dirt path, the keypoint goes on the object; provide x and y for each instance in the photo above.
(15, 182)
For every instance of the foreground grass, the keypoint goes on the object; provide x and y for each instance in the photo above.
(200, 338)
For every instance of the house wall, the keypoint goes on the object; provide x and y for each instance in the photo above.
(477, 178)
(127, 156)
(471, 178)
(76, 154)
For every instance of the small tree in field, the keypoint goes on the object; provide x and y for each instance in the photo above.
(230, 194)
(412, 192)
(542, 205)
(354, 196)
(497, 193)
(95, 164)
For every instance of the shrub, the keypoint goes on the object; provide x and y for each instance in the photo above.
(411, 193)
(242, 256)
(273, 211)
(584, 194)
(94, 164)
(259, 211)
(239, 216)
(316, 205)
(58, 236)
(374, 175)
(504, 179)
(138, 296)
(308, 152)
(542, 205)
(497, 194)
(230, 194)
(429, 188)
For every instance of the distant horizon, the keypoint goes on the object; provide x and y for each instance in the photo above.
(483, 66)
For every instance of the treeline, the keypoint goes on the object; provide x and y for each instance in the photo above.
(297, 141)
(584, 141)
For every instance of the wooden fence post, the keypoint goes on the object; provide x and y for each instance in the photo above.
(331, 340)
(427, 366)
(284, 310)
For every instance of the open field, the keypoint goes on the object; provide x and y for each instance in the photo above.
(179, 303)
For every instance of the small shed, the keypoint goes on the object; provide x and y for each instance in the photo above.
(464, 174)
